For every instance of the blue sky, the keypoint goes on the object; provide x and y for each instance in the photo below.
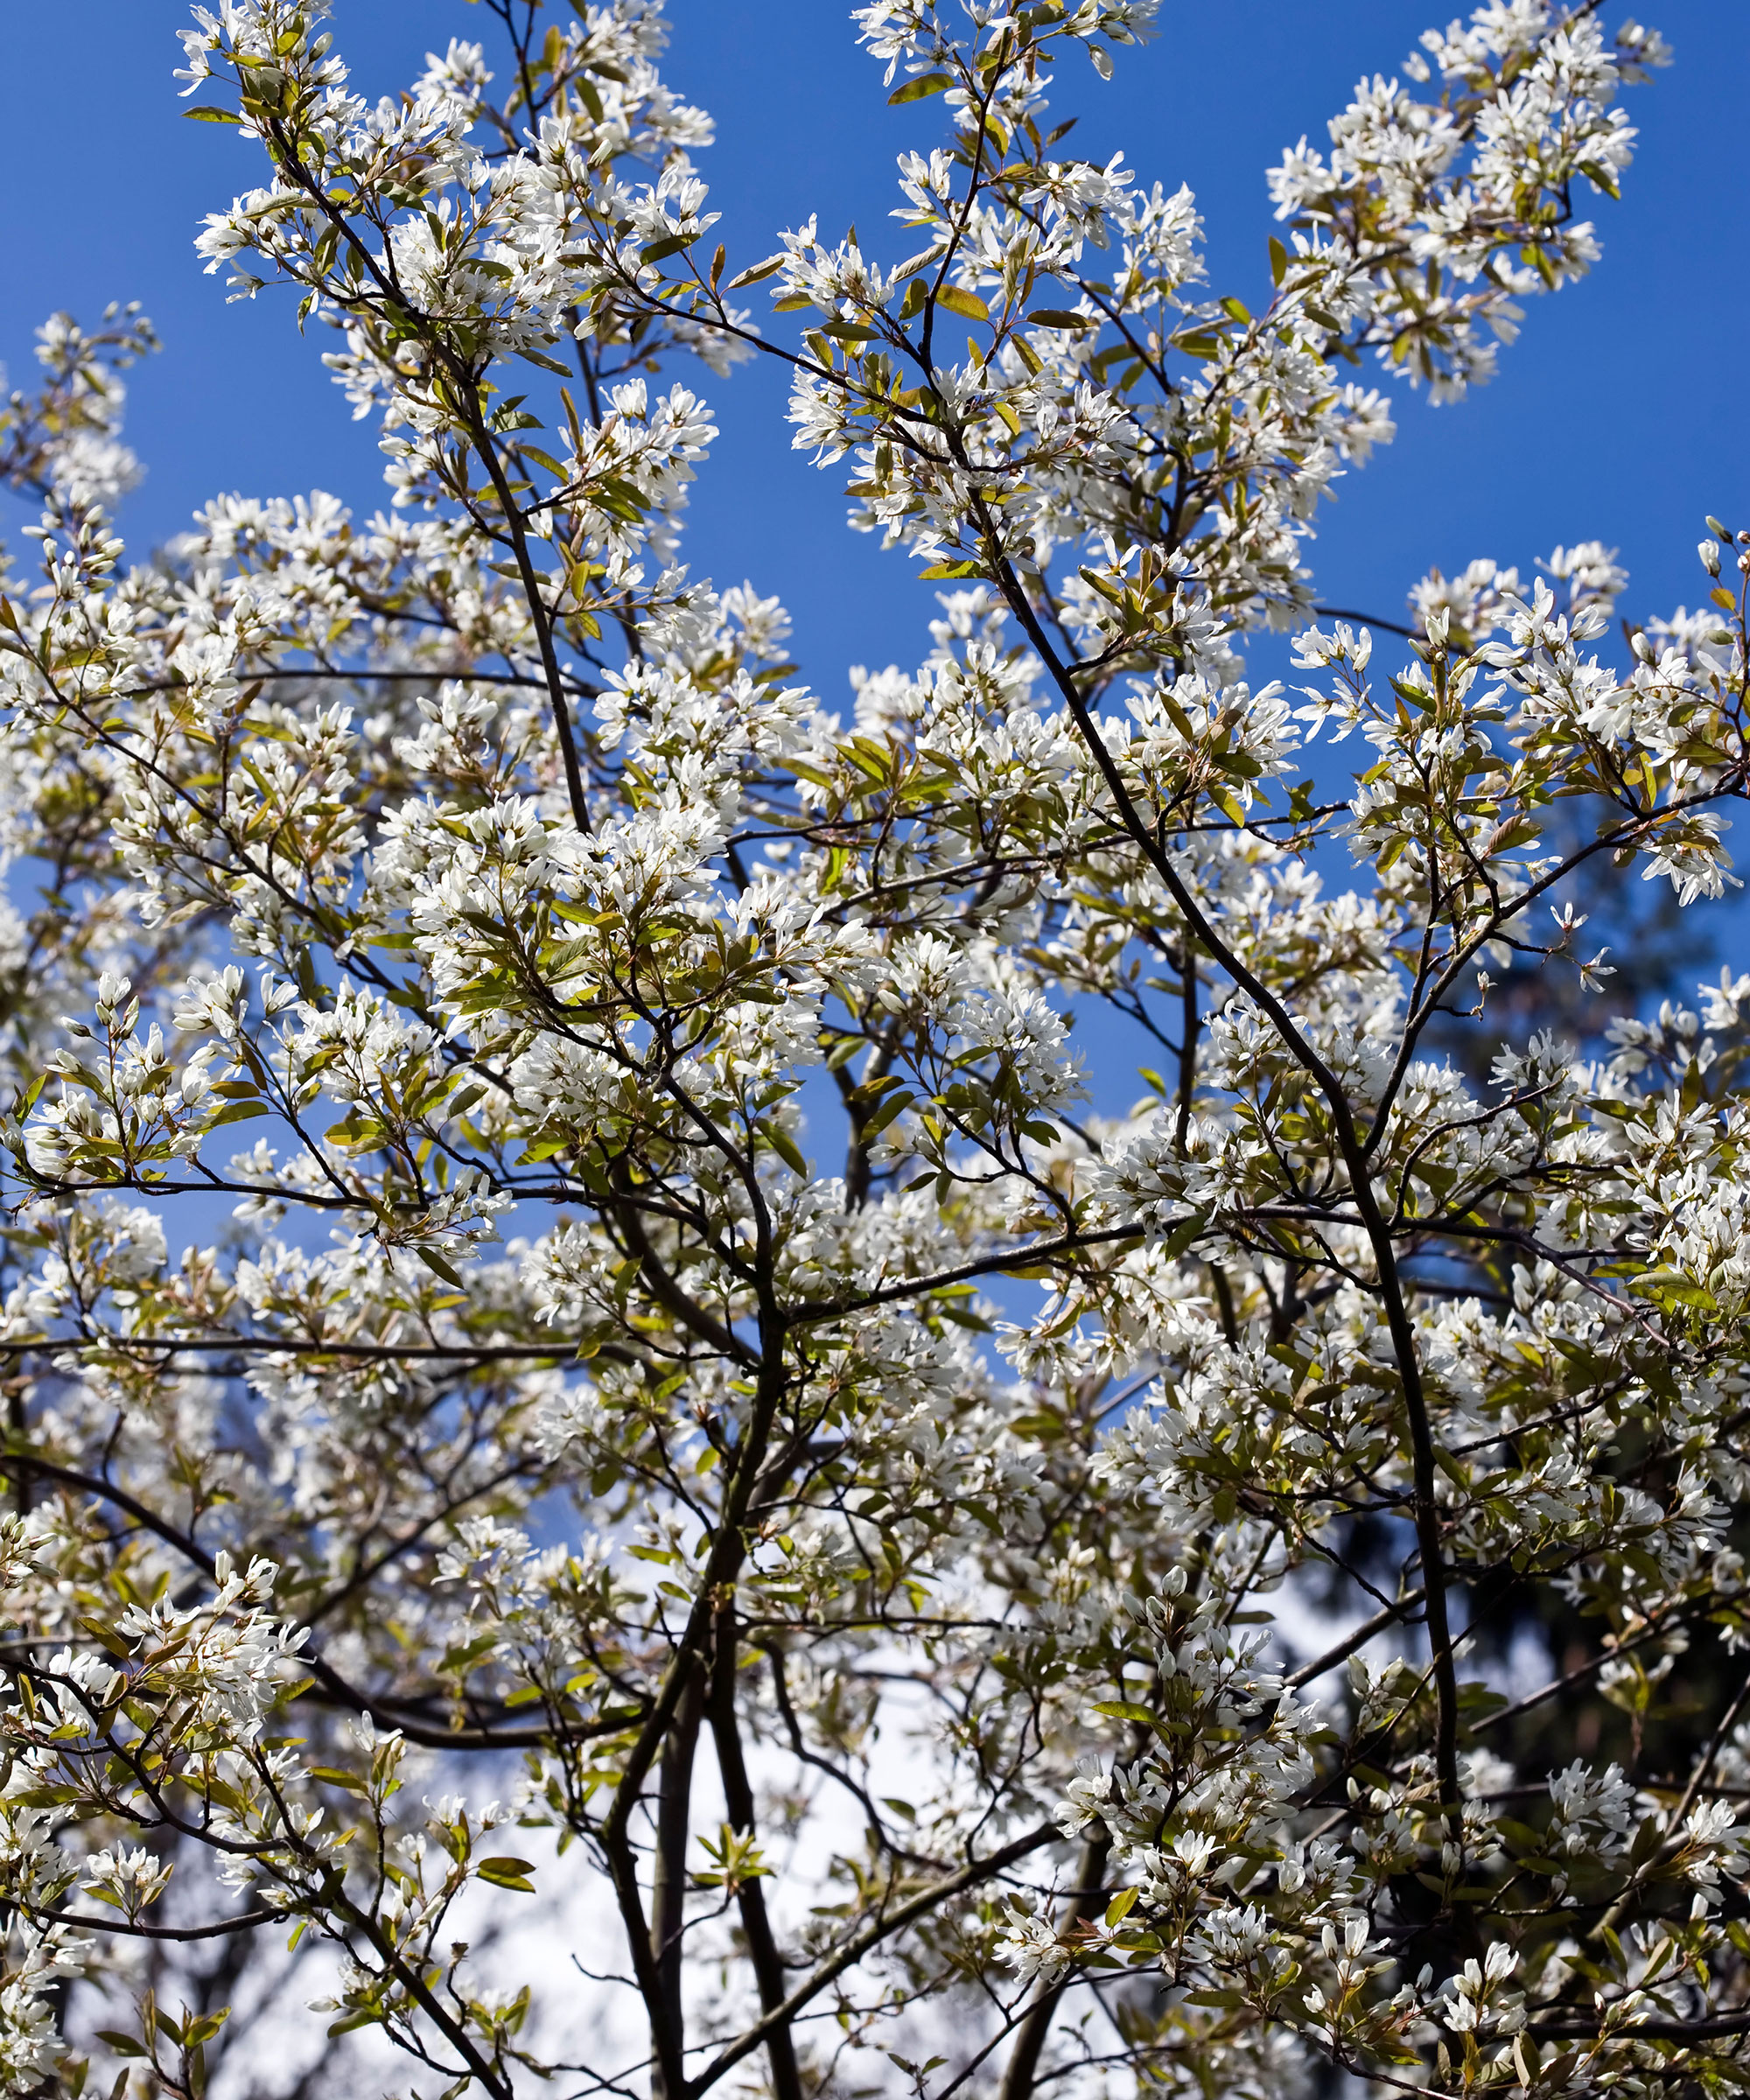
(1615, 416)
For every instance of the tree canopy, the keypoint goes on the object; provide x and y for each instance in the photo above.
(703, 1503)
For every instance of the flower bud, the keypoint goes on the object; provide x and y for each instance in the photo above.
(1709, 551)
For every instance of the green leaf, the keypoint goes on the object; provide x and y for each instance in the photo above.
(1183, 1234)
(894, 1105)
(926, 83)
(769, 268)
(785, 1146)
(1647, 1838)
(1123, 1710)
(506, 1873)
(332, 1776)
(239, 1111)
(439, 1266)
(105, 1636)
(966, 304)
(458, 1658)
(1060, 316)
(213, 116)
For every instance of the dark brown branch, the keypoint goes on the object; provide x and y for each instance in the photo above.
(728, 1549)
(467, 402)
(219, 1929)
(1427, 1509)
(280, 1345)
(881, 1928)
(1368, 619)
(1358, 1637)
(738, 1795)
(668, 1294)
(994, 1264)
(1703, 2028)
(1188, 1043)
(1022, 2068)
(539, 616)
(669, 1878)
(335, 1691)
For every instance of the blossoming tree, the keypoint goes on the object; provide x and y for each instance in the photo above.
(683, 1423)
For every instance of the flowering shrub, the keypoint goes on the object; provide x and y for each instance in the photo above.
(948, 1582)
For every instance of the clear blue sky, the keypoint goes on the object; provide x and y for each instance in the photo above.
(1617, 415)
